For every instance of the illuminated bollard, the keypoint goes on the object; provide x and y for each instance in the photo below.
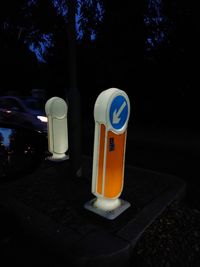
(111, 114)
(56, 111)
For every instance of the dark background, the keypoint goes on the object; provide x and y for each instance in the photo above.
(160, 79)
(148, 49)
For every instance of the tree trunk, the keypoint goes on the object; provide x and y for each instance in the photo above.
(74, 118)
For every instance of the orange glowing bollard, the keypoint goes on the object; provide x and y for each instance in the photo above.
(111, 113)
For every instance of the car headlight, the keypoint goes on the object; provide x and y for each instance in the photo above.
(42, 118)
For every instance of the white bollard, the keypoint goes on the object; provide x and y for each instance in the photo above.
(56, 111)
(111, 114)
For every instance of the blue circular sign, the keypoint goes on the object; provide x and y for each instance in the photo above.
(118, 112)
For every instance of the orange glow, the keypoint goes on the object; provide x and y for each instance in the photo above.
(114, 164)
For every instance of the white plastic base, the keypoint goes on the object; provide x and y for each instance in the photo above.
(107, 204)
(107, 208)
(58, 157)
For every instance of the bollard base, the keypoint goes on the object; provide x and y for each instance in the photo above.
(108, 214)
(57, 159)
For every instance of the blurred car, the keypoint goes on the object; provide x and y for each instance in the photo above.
(21, 150)
(28, 112)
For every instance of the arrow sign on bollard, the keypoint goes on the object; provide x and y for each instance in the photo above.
(118, 112)
(116, 115)
(111, 113)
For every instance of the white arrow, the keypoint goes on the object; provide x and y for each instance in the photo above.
(116, 114)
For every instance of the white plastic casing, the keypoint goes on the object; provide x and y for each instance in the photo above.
(101, 116)
(111, 115)
(56, 111)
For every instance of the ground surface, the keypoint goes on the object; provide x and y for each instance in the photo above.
(172, 240)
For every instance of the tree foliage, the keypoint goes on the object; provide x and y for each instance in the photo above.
(36, 22)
